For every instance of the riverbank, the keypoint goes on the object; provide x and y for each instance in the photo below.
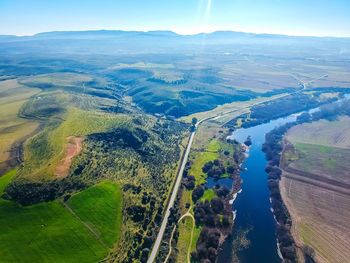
(317, 195)
(290, 226)
(210, 180)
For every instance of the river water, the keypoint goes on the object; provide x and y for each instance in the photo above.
(252, 209)
(253, 216)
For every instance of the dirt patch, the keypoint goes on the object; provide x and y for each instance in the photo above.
(73, 148)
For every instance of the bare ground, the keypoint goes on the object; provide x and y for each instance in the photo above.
(320, 218)
(319, 204)
(73, 148)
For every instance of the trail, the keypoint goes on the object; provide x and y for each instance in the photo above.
(187, 214)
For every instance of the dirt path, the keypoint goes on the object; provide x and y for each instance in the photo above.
(187, 214)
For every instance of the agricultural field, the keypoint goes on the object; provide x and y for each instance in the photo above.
(315, 186)
(95, 125)
(83, 134)
(52, 232)
(13, 129)
(105, 215)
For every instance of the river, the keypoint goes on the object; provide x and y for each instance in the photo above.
(252, 209)
(253, 216)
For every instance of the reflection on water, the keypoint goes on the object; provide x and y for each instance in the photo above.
(253, 238)
(211, 182)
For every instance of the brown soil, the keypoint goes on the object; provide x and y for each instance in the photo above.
(319, 207)
(73, 148)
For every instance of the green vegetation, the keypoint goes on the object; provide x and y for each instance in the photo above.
(5, 179)
(45, 232)
(185, 230)
(320, 159)
(45, 150)
(100, 207)
(214, 157)
(13, 129)
(51, 95)
(208, 195)
(202, 158)
(49, 232)
(296, 102)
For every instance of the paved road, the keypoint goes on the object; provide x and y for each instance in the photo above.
(176, 187)
(155, 248)
(158, 241)
(305, 84)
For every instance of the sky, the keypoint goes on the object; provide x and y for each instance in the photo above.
(290, 17)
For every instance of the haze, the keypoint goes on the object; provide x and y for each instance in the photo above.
(291, 17)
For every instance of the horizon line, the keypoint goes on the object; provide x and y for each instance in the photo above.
(178, 32)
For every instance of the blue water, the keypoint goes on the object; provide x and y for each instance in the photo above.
(211, 182)
(252, 205)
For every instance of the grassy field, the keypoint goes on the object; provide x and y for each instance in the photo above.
(45, 150)
(49, 232)
(5, 179)
(209, 144)
(322, 148)
(185, 230)
(100, 206)
(202, 158)
(13, 129)
(59, 79)
(333, 134)
(208, 195)
(315, 187)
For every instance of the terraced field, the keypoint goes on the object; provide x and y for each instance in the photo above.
(316, 187)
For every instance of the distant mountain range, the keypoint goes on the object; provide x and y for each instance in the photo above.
(120, 33)
(117, 41)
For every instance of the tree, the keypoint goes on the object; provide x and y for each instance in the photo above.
(197, 193)
(309, 252)
(248, 141)
(217, 205)
(194, 121)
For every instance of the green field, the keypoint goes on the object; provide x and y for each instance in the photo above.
(321, 148)
(208, 195)
(100, 207)
(6, 179)
(49, 232)
(202, 158)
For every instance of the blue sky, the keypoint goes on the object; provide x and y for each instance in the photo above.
(293, 17)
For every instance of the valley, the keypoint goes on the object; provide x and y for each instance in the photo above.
(117, 151)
